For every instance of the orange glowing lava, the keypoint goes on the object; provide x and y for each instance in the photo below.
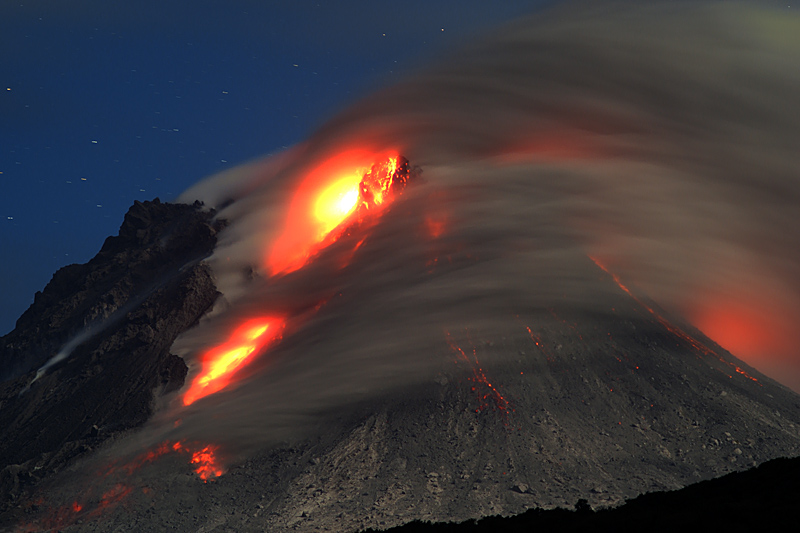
(350, 184)
(489, 396)
(113, 486)
(336, 202)
(221, 362)
(206, 461)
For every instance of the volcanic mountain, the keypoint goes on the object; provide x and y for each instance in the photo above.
(559, 405)
(333, 339)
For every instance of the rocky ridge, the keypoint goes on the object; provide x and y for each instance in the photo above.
(112, 321)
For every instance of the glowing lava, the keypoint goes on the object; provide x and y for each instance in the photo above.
(220, 363)
(350, 184)
(206, 462)
(93, 503)
(347, 187)
(489, 396)
(335, 203)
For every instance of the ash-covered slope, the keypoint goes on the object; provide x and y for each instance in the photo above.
(582, 406)
(86, 358)
(561, 405)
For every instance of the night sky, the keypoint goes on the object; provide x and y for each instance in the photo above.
(104, 102)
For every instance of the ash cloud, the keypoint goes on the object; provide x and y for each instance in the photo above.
(660, 139)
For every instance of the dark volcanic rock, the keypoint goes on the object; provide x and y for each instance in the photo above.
(113, 321)
(763, 498)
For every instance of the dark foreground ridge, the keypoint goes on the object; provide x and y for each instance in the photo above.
(763, 497)
(105, 327)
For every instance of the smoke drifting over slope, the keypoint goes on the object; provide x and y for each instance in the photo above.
(660, 140)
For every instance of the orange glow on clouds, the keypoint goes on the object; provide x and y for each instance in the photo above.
(751, 328)
(696, 344)
(742, 330)
(435, 226)
(221, 362)
(552, 145)
(325, 198)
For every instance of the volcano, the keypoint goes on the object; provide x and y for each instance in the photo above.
(559, 405)
(480, 291)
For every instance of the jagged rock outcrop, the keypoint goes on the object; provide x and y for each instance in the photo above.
(105, 329)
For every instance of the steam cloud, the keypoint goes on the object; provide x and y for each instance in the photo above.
(661, 139)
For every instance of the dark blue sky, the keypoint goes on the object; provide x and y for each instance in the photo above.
(104, 102)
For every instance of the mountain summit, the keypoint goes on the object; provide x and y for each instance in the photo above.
(84, 360)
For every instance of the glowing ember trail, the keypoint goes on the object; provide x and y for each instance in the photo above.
(90, 505)
(204, 456)
(345, 188)
(479, 378)
(220, 363)
(672, 329)
(537, 340)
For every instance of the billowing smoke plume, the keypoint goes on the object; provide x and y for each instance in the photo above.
(661, 140)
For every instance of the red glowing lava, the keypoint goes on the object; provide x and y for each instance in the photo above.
(204, 456)
(335, 196)
(348, 187)
(488, 393)
(537, 340)
(350, 184)
(221, 362)
(111, 498)
(206, 461)
(112, 486)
